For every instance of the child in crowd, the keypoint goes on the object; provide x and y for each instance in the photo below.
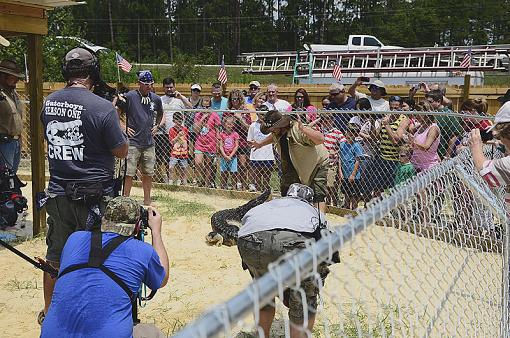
(206, 127)
(179, 137)
(229, 143)
(406, 169)
(261, 160)
(332, 139)
(350, 167)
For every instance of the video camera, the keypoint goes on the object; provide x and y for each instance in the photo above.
(12, 201)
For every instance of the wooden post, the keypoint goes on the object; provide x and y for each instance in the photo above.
(465, 88)
(35, 66)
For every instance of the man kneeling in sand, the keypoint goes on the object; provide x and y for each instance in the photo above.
(101, 272)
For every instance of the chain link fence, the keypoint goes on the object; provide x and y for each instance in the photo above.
(427, 260)
(369, 152)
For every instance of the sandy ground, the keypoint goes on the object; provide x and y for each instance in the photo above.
(388, 281)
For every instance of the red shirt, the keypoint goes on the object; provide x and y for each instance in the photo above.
(180, 142)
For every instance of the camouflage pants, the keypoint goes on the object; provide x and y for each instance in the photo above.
(260, 249)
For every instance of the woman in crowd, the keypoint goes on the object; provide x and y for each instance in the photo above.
(471, 107)
(302, 104)
(207, 126)
(425, 141)
(241, 125)
(258, 101)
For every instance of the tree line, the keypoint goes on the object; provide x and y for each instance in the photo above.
(199, 31)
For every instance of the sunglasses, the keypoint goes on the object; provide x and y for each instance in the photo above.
(402, 155)
(206, 107)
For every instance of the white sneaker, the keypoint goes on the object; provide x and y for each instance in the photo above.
(239, 186)
(251, 187)
(178, 182)
(171, 182)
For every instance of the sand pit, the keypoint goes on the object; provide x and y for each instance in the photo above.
(384, 265)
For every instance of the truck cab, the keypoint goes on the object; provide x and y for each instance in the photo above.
(367, 42)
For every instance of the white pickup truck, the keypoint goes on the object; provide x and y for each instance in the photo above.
(356, 42)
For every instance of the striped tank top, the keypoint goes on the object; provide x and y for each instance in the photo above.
(389, 151)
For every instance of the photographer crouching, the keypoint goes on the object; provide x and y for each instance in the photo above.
(84, 136)
(102, 271)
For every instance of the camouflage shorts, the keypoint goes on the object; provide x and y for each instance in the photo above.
(145, 156)
(260, 249)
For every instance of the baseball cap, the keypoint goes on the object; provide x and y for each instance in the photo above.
(121, 215)
(502, 116)
(79, 57)
(196, 86)
(300, 191)
(145, 77)
(255, 83)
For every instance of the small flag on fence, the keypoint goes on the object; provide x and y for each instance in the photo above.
(337, 70)
(222, 74)
(466, 61)
(123, 63)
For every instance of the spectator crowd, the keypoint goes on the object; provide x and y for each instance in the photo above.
(374, 141)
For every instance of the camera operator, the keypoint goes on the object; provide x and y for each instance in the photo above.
(495, 172)
(11, 122)
(102, 271)
(273, 229)
(84, 135)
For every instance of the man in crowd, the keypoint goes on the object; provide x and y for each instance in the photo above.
(271, 230)
(11, 110)
(304, 158)
(377, 91)
(505, 98)
(171, 101)
(84, 135)
(218, 102)
(449, 126)
(141, 106)
(102, 271)
(340, 101)
(254, 89)
(273, 102)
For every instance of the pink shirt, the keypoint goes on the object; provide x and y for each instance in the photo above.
(425, 159)
(206, 140)
(229, 141)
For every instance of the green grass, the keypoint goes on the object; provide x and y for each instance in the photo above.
(497, 79)
(386, 324)
(171, 207)
(16, 285)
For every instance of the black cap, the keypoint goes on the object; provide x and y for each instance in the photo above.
(79, 57)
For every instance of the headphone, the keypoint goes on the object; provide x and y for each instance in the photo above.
(92, 68)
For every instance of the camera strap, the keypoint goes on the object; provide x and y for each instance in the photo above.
(97, 256)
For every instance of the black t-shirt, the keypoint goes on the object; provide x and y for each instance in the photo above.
(81, 129)
(141, 117)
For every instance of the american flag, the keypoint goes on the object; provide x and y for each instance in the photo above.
(337, 70)
(222, 74)
(466, 61)
(123, 63)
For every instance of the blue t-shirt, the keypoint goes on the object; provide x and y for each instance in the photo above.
(81, 129)
(141, 117)
(349, 153)
(222, 105)
(342, 120)
(88, 303)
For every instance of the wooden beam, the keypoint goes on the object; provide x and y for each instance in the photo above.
(35, 69)
(23, 24)
(21, 10)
